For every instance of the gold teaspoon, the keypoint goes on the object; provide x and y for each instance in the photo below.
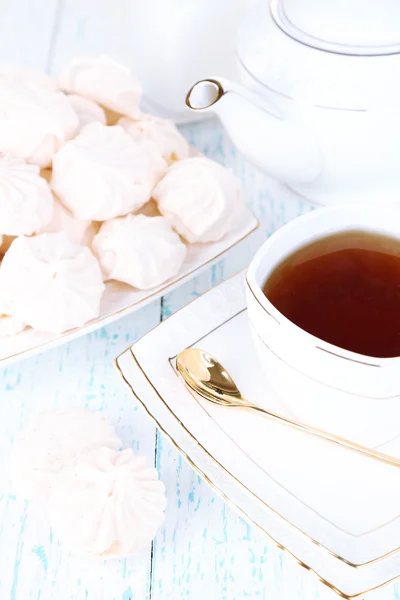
(207, 377)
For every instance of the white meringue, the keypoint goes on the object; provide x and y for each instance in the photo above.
(35, 120)
(108, 503)
(50, 283)
(87, 111)
(54, 440)
(64, 221)
(10, 326)
(103, 173)
(201, 199)
(26, 202)
(141, 251)
(163, 132)
(104, 81)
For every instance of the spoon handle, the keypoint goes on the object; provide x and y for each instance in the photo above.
(330, 437)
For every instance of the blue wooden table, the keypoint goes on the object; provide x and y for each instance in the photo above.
(203, 550)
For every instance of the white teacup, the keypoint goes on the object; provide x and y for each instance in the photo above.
(352, 395)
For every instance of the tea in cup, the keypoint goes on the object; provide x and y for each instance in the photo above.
(324, 303)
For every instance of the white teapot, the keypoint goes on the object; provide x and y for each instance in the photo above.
(319, 107)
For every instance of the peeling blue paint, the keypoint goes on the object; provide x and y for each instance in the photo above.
(41, 554)
(128, 594)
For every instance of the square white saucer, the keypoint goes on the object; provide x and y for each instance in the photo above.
(335, 511)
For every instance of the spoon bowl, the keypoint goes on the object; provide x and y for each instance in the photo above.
(207, 376)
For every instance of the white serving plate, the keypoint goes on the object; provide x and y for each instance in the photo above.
(120, 299)
(336, 511)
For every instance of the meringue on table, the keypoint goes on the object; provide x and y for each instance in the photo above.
(35, 119)
(52, 441)
(163, 132)
(103, 173)
(138, 250)
(108, 503)
(200, 199)
(104, 81)
(50, 283)
(26, 202)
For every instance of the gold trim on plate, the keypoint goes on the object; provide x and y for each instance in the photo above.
(336, 556)
(195, 397)
(222, 494)
(340, 558)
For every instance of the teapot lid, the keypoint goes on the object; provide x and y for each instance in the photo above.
(331, 53)
(354, 27)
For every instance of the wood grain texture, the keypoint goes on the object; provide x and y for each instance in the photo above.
(81, 373)
(204, 550)
(32, 564)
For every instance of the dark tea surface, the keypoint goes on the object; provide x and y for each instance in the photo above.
(345, 290)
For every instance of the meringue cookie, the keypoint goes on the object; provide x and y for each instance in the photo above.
(26, 202)
(35, 120)
(54, 440)
(87, 111)
(50, 283)
(103, 173)
(108, 503)
(10, 326)
(104, 81)
(201, 199)
(172, 144)
(141, 251)
(64, 221)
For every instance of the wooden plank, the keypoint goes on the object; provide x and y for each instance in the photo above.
(33, 565)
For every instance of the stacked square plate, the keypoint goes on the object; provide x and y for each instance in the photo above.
(335, 511)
